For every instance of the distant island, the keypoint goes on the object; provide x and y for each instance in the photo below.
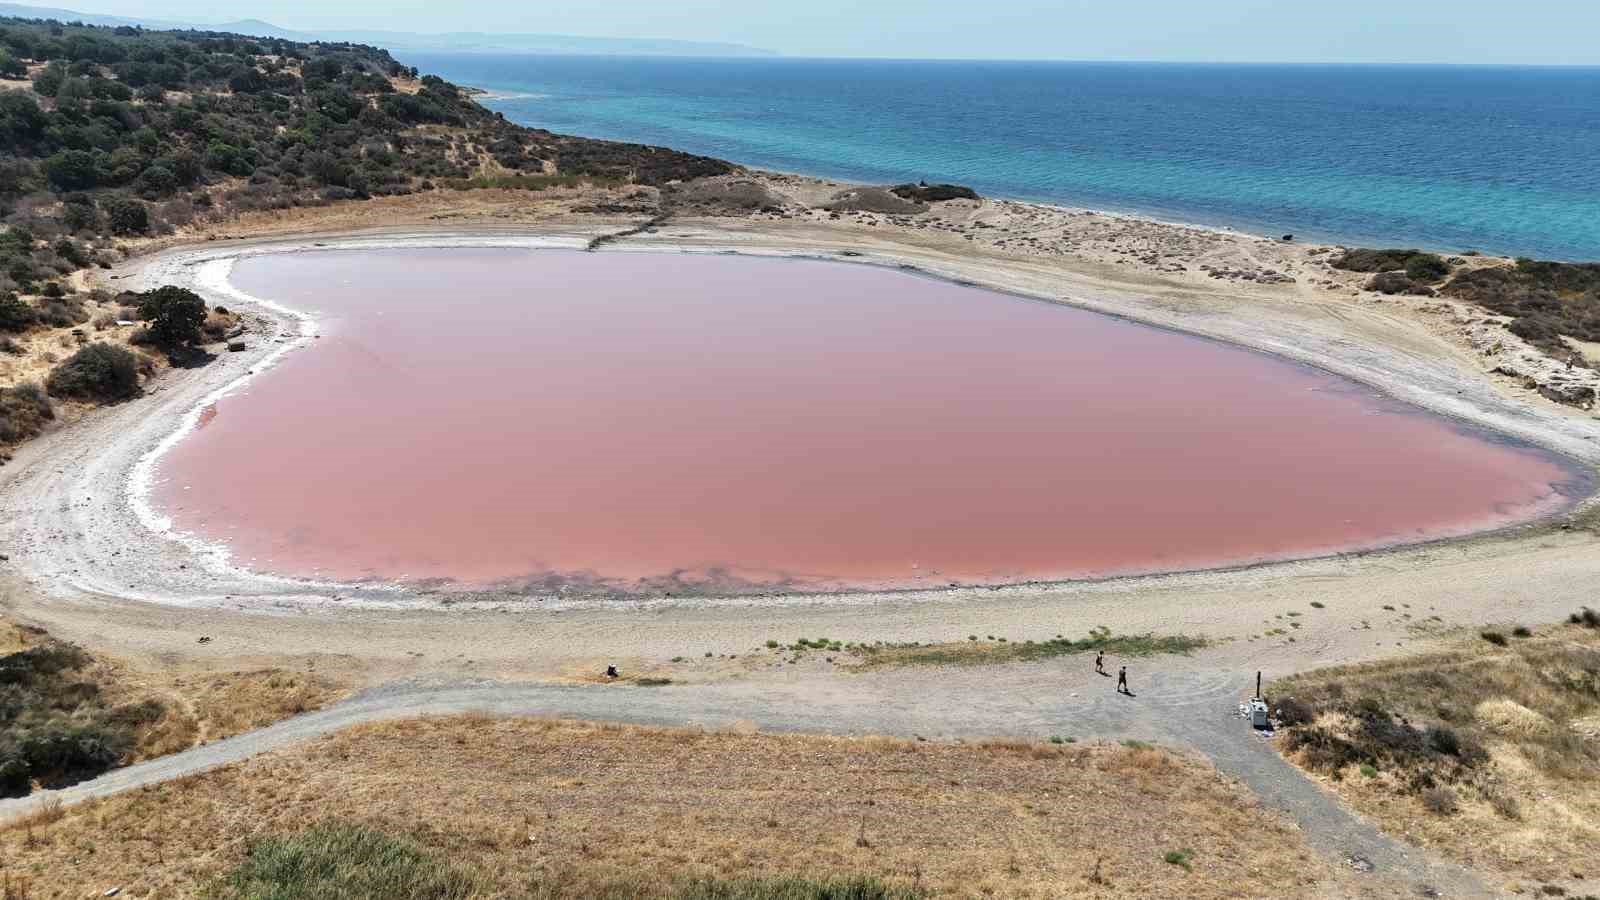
(451, 42)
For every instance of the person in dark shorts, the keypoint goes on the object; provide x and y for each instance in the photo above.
(1122, 681)
(1100, 662)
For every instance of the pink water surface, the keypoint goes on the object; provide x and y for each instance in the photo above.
(642, 421)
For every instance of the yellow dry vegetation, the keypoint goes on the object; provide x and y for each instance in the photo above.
(523, 802)
(1528, 808)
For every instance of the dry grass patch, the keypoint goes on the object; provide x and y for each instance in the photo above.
(1479, 750)
(531, 808)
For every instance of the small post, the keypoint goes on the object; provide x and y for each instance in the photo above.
(1258, 685)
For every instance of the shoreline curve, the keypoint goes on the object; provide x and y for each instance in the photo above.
(166, 563)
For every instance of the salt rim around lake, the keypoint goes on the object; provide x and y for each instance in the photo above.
(211, 277)
(73, 534)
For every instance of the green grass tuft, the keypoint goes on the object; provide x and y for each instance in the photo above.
(349, 862)
(1180, 858)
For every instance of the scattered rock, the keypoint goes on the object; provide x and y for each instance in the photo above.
(1566, 392)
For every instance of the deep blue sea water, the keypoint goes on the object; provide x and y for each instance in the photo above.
(1503, 160)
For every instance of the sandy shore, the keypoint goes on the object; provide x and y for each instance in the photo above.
(85, 561)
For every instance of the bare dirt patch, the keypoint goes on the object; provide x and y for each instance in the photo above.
(522, 802)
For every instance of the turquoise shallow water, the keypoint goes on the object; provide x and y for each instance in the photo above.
(1502, 160)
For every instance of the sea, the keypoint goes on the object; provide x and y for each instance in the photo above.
(1502, 160)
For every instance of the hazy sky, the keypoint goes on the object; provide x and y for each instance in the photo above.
(1466, 31)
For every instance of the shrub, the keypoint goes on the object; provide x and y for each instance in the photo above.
(16, 314)
(98, 372)
(1444, 740)
(1397, 283)
(1546, 299)
(23, 411)
(1426, 267)
(934, 193)
(1521, 631)
(1360, 260)
(1504, 805)
(1292, 712)
(67, 748)
(1494, 637)
(1586, 617)
(58, 314)
(176, 316)
(1439, 801)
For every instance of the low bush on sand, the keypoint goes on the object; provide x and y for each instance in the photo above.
(934, 193)
(1544, 299)
(102, 373)
(1397, 283)
(23, 411)
(1428, 267)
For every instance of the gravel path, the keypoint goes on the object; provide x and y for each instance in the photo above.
(1189, 707)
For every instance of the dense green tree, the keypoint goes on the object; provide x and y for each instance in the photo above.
(48, 80)
(175, 315)
(125, 215)
(72, 170)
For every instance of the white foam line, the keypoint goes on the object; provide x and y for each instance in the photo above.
(212, 277)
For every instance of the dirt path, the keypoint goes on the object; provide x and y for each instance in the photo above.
(1182, 706)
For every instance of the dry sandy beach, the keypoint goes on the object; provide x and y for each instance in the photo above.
(84, 562)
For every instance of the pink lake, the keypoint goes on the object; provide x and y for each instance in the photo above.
(648, 423)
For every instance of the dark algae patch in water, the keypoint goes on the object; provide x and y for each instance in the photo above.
(659, 423)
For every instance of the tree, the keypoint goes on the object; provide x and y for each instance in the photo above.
(22, 122)
(78, 212)
(175, 315)
(157, 181)
(247, 81)
(72, 170)
(126, 215)
(48, 80)
(11, 67)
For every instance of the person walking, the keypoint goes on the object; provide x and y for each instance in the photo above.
(1122, 681)
(1100, 662)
